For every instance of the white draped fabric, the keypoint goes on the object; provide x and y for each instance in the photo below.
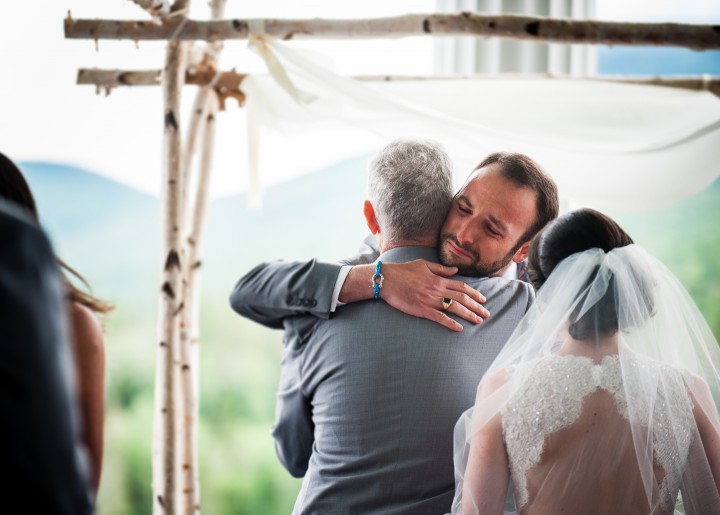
(609, 145)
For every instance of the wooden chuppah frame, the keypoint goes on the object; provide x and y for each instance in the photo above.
(175, 477)
(533, 28)
(228, 83)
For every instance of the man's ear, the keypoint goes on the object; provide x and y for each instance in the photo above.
(522, 253)
(369, 213)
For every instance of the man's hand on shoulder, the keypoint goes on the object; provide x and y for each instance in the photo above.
(418, 288)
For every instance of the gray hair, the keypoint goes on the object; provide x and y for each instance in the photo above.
(410, 188)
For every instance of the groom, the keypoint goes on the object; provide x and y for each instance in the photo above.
(383, 390)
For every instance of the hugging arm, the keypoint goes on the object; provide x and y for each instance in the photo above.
(270, 292)
(418, 288)
(274, 291)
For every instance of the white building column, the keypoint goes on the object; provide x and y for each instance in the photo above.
(468, 55)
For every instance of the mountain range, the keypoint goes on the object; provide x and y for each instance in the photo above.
(111, 233)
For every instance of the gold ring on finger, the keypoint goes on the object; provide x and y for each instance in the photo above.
(446, 302)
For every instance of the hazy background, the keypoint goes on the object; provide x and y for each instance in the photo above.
(111, 234)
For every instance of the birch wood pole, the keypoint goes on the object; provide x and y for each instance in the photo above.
(187, 432)
(168, 408)
(190, 327)
(228, 83)
(195, 129)
(532, 28)
(202, 119)
(207, 67)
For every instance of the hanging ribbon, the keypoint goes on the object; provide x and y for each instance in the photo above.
(258, 42)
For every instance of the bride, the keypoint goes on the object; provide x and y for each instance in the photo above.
(604, 399)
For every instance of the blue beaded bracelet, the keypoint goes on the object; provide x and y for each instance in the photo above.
(377, 281)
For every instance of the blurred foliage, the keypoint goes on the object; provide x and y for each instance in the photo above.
(239, 472)
(686, 237)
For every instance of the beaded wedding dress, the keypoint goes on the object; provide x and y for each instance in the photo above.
(581, 419)
(570, 397)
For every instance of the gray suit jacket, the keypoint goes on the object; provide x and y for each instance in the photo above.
(383, 391)
(40, 449)
(290, 295)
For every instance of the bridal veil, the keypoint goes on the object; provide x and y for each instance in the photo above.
(603, 401)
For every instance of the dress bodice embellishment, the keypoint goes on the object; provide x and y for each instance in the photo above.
(551, 398)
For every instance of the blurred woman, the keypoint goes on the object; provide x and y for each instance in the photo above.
(86, 332)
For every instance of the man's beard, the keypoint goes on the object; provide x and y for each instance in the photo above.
(477, 268)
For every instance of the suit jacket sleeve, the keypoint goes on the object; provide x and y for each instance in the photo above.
(39, 436)
(294, 429)
(273, 291)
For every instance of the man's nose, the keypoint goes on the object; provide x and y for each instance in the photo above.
(465, 234)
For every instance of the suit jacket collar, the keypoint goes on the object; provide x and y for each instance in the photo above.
(403, 254)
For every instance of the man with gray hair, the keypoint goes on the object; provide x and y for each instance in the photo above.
(371, 396)
(410, 183)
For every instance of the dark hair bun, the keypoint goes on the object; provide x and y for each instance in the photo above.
(575, 232)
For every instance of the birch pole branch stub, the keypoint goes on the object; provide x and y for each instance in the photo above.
(225, 84)
(533, 28)
(159, 9)
(181, 7)
(114, 78)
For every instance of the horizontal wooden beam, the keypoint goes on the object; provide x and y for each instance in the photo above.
(529, 28)
(228, 82)
(225, 84)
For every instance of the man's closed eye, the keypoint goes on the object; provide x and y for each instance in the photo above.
(492, 231)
